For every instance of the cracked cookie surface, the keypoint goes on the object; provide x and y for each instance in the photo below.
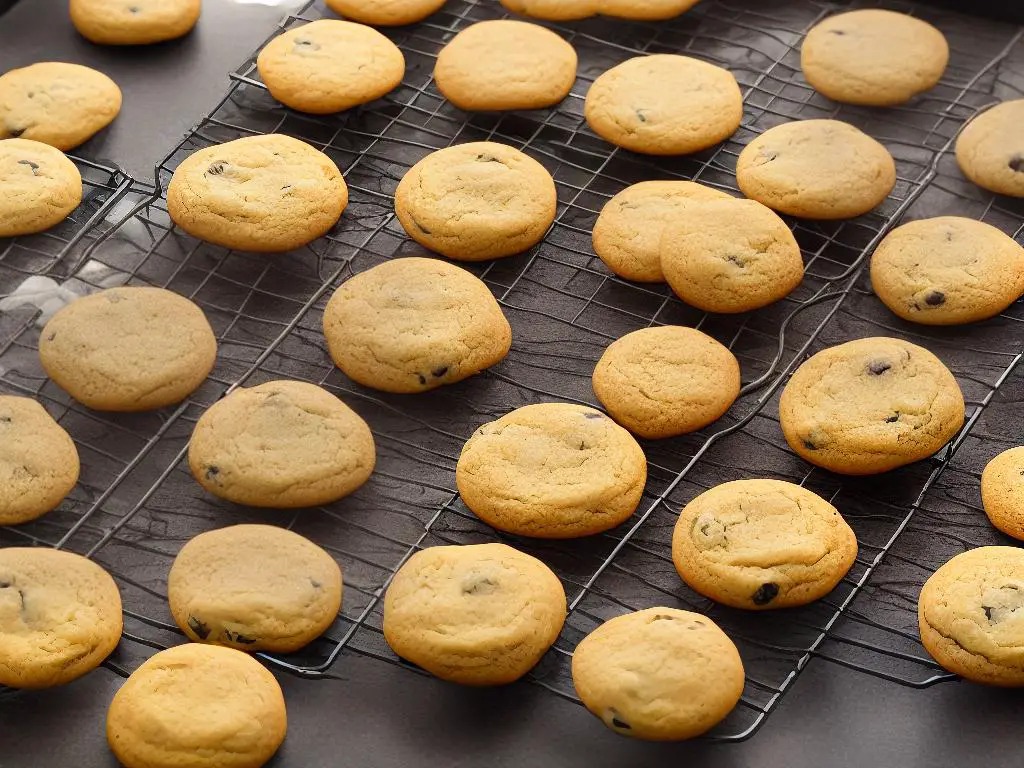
(990, 149)
(134, 22)
(1002, 492)
(41, 187)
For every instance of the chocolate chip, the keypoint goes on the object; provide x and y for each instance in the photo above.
(5, 419)
(5, 584)
(878, 367)
(235, 637)
(583, 445)
(202, 631)
(737, 261)
(52, 336)
(316, 584)
(640, 115)
(30, 164)
(768, 155)
(134, 9)
(212, 472)
(423, 379)
(935, 298)
(482, 158)
(216, 169)
(662, 617)
(988, 611)
(810, 446)
(765, 593)
(1017, 163)
(286, 186)
(309, 45)
(618, 722)
(482, 586)
(949, 239)
(837, 32)
(589, 415)
(16, 132)
(892, 419)
(437, 373)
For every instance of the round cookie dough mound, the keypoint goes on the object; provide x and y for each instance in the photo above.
(38, 461)
(762, 544)
(947, 270)
(1002, 492)
(971, 615)
(816, 169)
(873, 57)
(660, 674)
(128, 349)
(870, 405)
(56, 103)
(196, 706)
(645, 10)
(327, 66)
(281, 444)
(627, 233)
(660, 382)
(503, 65)
(254, 588)
(553, 10)
(664, 105)
(134, 22)
(476, 201)
(552, 470)
(385, 13)
(41, 187)
(730, 256)
(480, 614)
(413, 324)
(262, 193)
(60, 616)
(990, 149)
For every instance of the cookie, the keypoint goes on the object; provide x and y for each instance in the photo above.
(645, 10)
(660, 382)
(971, 615)
(552, 470)
(128, 349)
(760, 544)
(56, 103)
(41, 187)
(627, 233)
(327, 66)
(553, 10)
(990, 149)
(816, 169)
(473, 70)
(870, 405)
(1002, 492)
(262, 193)
(873, 57)
(197, 706)
(476, 201)
(60, 616)
(664, 105)
(660, 674)
(254, 588)
(413, 324)
(947, 270)
(480, 614)
(730, 256)
(281, 444)
(134, 22)
(385, 13)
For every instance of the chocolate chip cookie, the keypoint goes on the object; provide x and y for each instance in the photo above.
(134, 22)
(41, 187)
(1002, 492)
(990, 149)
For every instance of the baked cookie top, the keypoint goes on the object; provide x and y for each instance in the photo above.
(385, 13)
(645, 10)
(1002, 492)
(553, 10)
(41, 187)
(990, 149)
(134, 22)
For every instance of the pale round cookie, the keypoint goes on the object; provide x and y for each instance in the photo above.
(552, 470)
(385, 13)
(60, 616)
(870, 405)
(505, 65)
(730, 256)
(661, 382)
(971, 615)
(990, 149)
(627, 233)
(134, 22)
(816, 169)
(947, 270)
(476, 201)
(267, 193)
(479, 614)
(873, 57)
(661, 674)
(413, 324)
(38, 461)
(254, 588)
(1002, 492)
(761, 544)
(197, 706)
(645, 10)
(554, 10)
(41, 187)
(328, 65)
(664, 105)
(128, 349)
(281, 444)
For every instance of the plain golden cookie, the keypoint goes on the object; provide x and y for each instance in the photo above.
(873, 57)
(816, 169)
(413, 324)
(480, 614)
(327, 66)
(947, 270)
(660, 674)
(1002, 492)
(553, 10)
(385, 13)
(40, 187)
(645, 10)
(476, 201)
(134, 22)
(552, 470)
(870, 405)
(504, 65)
(197, 706)
(664, 105)
(281, 444)
(60, 616)
(990, 149)
(660, 382)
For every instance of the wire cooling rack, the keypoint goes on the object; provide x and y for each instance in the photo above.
(138, 503)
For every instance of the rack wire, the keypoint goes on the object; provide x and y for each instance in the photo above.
(564, 307)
